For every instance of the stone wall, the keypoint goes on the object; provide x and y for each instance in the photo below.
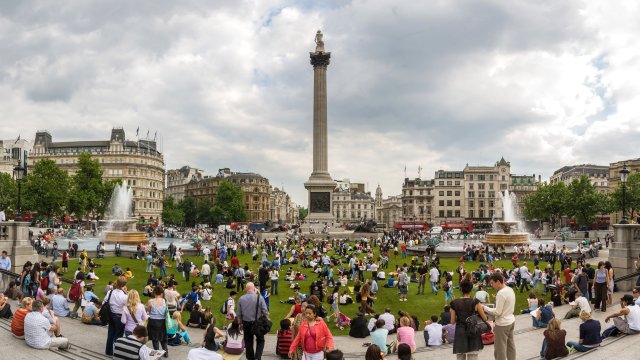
(624, 250)
(14, 238)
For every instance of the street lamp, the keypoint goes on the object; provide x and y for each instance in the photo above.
(624, 174)
(18, 172)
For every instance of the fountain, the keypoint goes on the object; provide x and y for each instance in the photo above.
(506, 235)
(121, 227)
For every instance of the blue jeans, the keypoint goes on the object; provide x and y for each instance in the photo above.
(543, 351)
(426, 338)
(274, 287)
(115, 331)
(578, 347)
(538, 323)
(433, 288)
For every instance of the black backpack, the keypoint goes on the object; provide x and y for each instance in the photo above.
(105, 311)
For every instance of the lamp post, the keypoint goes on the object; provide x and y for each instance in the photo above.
(18, 172)
(624, 173)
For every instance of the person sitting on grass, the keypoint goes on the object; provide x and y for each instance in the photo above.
(359, 327)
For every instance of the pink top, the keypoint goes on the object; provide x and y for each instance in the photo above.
(406, 336)
(129, 322)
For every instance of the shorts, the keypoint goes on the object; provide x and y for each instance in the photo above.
(404, 289)
(230, 316)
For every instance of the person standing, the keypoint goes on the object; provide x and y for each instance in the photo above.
(403, 284)
(117, 300)
(434, 278)
(5, 261)
(247, 316)
(314, 336)
(186, 268)
(205, 271)
(465, 344)
(274, 275)
(156, 326)
(505, 347)
(600, 281)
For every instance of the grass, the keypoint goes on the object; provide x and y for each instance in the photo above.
(423, 306)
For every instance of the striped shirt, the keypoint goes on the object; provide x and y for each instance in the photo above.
(129, 348)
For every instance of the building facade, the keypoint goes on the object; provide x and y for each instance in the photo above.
(256, 191)
(417, 199)
(13, 152)
(283, 210)
(598, 175)
(448, 204)
(350, 203)
(138, 163)
(482, 187)
(388, 211)
(177, 180)
(521, 186)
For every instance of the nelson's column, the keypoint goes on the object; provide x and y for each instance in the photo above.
(320, 185)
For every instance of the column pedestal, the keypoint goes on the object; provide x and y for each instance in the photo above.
(623, 251)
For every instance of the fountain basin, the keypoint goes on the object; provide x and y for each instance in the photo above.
(124, 237)
(506, 239)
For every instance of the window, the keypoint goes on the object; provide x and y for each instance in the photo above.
(503, 186)
(457, 193)
(503, 178)
(441, 202)
(457, 202)
(481, 177)
(470, 178)
(471, 194)
(449, 203)
(481, 213)
(471, 203)
(490, 213)
(471, 213)
(449, 193)
(481, 194)
(449, 183)
(449, 213)
(441, 183)
(470, 186)
(491, 203)
(457, 213)
(441, 193)
(441, 213)
(480, 186)
(490, 186)
(481, 202)
(457, 182)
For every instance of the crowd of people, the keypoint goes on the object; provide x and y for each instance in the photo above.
(469, 321)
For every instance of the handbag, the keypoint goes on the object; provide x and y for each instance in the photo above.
(262, 325)
(475, 325)
(105, 310)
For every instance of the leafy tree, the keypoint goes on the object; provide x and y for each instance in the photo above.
(188, 207)
(204, 212)
(632, 196)
(88, 187)
(8, 192)
(302, 213)
(583, 200)
(229, 205)
(46, 189)
(172, 214)
(547, 204)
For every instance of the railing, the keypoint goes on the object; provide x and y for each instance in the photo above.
(7, 276)
(627, 277)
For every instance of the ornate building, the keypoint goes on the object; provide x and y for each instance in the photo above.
(351, 203)
(255, 187)
(521, 186)
(138, 163)
(12, 153)
(482, 187)
(417, 199)
(387, 211)
(177, 180)
(283, 210)
(598, 175)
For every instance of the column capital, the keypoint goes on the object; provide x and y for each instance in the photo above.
(320, 59)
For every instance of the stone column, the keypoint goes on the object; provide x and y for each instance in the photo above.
(320, 184)
(623, 251)
(14, 238)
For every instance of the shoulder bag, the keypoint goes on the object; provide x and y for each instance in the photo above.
(474, 323)
(105, 310)
(261, 325)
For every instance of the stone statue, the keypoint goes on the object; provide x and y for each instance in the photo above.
(319, 42)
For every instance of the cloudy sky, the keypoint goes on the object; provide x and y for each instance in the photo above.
(435, 84)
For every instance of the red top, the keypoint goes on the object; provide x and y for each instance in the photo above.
(297, 309)
(17, 324)
(320, 335)
(284, 341)
(235, 262)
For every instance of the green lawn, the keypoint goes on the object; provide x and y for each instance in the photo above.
(423, 306)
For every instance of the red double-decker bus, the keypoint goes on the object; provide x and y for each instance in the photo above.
(463, 225)
(417, 225)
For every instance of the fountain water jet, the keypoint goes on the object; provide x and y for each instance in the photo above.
(506, 235)
(121, 226)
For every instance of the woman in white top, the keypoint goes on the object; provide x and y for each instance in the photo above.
(234, 339)
(134, 313)
(206, 292)
(117, 299)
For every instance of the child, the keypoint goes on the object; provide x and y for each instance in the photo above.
(285, 336)
(128, 274)
(230, 307)
(334, 355)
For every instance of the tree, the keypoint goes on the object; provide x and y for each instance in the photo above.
(229, 206)
(632, 196)
(302, 213)
(583, 201)
(188, 207)
(172, 214)
(546, 204)
(204, 212)
(8, 192)
(46, 189)
(88, 187)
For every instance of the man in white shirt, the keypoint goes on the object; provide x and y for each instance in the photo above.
(37, 328)
(433, 332)
(505, 346)
(434, 275)
(206, 270)
(581, 303)
(206, 253)
(389, 320)
(525, 277)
